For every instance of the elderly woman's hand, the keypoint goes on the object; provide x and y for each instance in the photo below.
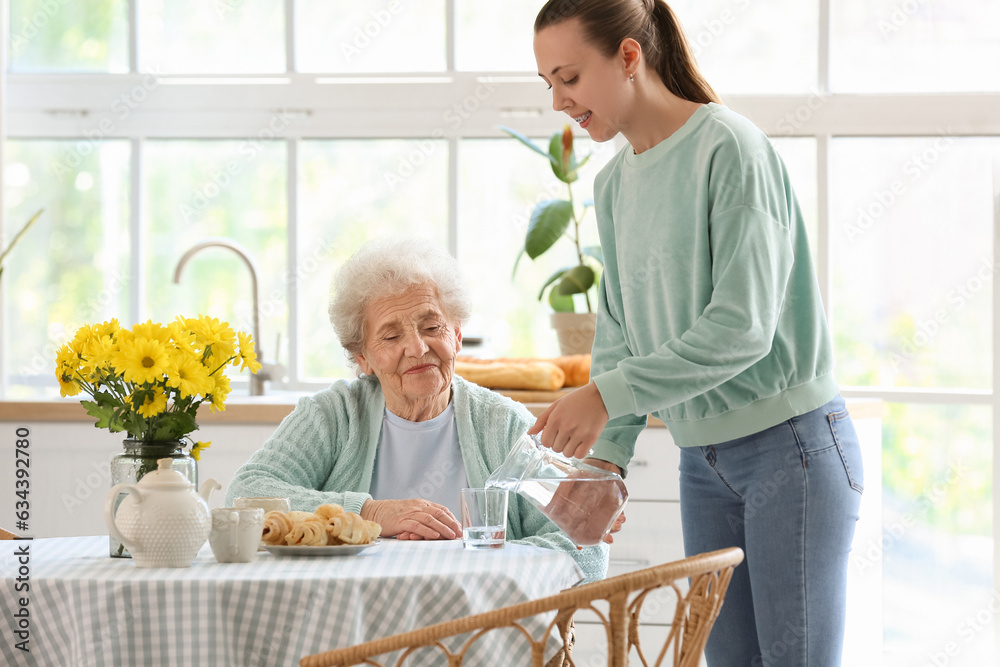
(412, 519)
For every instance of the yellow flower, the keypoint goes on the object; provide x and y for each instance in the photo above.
(154, 404)
(246, 355)
(196, 450)
(67, 362)
(108, 328)
(98, 354)
(81, 338)
(211, 333)
(219, 392)
(190, 378)
(152, 330)
(151, 378)
(142, 360)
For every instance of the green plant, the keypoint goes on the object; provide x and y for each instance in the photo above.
(18, 236)
(553, 219)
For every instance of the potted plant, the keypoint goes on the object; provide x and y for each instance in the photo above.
(551, 220)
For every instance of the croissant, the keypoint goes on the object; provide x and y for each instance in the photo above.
(310, 533)
(374, 530)
(277, 524)
(349, 529)
(328, 511)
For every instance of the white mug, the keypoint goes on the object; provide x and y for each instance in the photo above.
(267, 503)
(236, 533)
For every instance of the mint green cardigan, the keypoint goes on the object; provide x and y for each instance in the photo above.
(324, 452)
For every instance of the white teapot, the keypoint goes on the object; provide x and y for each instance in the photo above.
(162, 522)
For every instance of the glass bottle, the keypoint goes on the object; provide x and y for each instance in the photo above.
(138, 458)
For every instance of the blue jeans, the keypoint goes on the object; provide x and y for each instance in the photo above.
(789, 497)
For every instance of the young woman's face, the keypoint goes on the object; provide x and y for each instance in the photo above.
(585, 84)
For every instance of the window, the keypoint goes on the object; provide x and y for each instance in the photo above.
(302, 128)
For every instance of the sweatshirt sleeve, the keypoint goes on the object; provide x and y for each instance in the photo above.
(751, 262)
(617, 442)
(297, 461)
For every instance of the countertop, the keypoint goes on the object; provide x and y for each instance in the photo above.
(272, 409)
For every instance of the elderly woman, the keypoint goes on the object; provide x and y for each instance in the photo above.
(397, 444)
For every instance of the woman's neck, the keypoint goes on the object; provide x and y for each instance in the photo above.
(658, 114)
(419, 410)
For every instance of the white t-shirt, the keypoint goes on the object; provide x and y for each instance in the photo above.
(420, 460)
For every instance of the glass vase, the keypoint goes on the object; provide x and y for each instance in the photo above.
(138, 458)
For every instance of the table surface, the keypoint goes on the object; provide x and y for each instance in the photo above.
(89, 609)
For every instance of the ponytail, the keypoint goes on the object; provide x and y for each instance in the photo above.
(651, 23)
(675, 62)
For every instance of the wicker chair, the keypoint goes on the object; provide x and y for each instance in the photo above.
(7, 535)
(695, 612)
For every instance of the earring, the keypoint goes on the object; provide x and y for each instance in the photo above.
(631, 78)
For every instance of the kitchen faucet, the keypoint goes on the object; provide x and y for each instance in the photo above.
(256, 379)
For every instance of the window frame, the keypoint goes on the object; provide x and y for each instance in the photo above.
(146, 107)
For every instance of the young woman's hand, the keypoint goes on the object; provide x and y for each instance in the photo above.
(412, 519)
(572, 424)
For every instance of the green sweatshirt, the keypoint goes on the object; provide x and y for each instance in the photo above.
(709, 312)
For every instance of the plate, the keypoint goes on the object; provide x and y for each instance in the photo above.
(328, 550)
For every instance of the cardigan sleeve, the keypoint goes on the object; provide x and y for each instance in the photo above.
(304, 460)
(536, 529)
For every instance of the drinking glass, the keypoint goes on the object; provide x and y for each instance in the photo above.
(484, 518)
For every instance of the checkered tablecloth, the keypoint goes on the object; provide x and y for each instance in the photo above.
(88, 609)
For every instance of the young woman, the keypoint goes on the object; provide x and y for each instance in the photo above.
(710, 318)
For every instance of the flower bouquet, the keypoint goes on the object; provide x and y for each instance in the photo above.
(150, 380)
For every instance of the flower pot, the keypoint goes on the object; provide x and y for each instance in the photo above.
(575, 332)
(139, 458)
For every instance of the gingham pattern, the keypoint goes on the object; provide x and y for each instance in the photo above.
(89, 609)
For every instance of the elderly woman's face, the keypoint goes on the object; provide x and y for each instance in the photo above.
(410, 346)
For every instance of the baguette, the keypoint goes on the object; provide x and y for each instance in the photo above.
(537, 375)
(575, 367)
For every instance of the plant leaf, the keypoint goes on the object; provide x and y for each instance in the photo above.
(595, 252)
(549, 221)
(576, 167)
(555, 153)
(517, 261)
(102, 414)
(173, 425)
(525, 140)
(577, 280)
(554, 277)
(24, 230)
(560, 303)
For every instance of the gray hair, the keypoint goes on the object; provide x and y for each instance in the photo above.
(384, 268)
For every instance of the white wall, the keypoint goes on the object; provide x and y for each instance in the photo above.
(70, 472)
